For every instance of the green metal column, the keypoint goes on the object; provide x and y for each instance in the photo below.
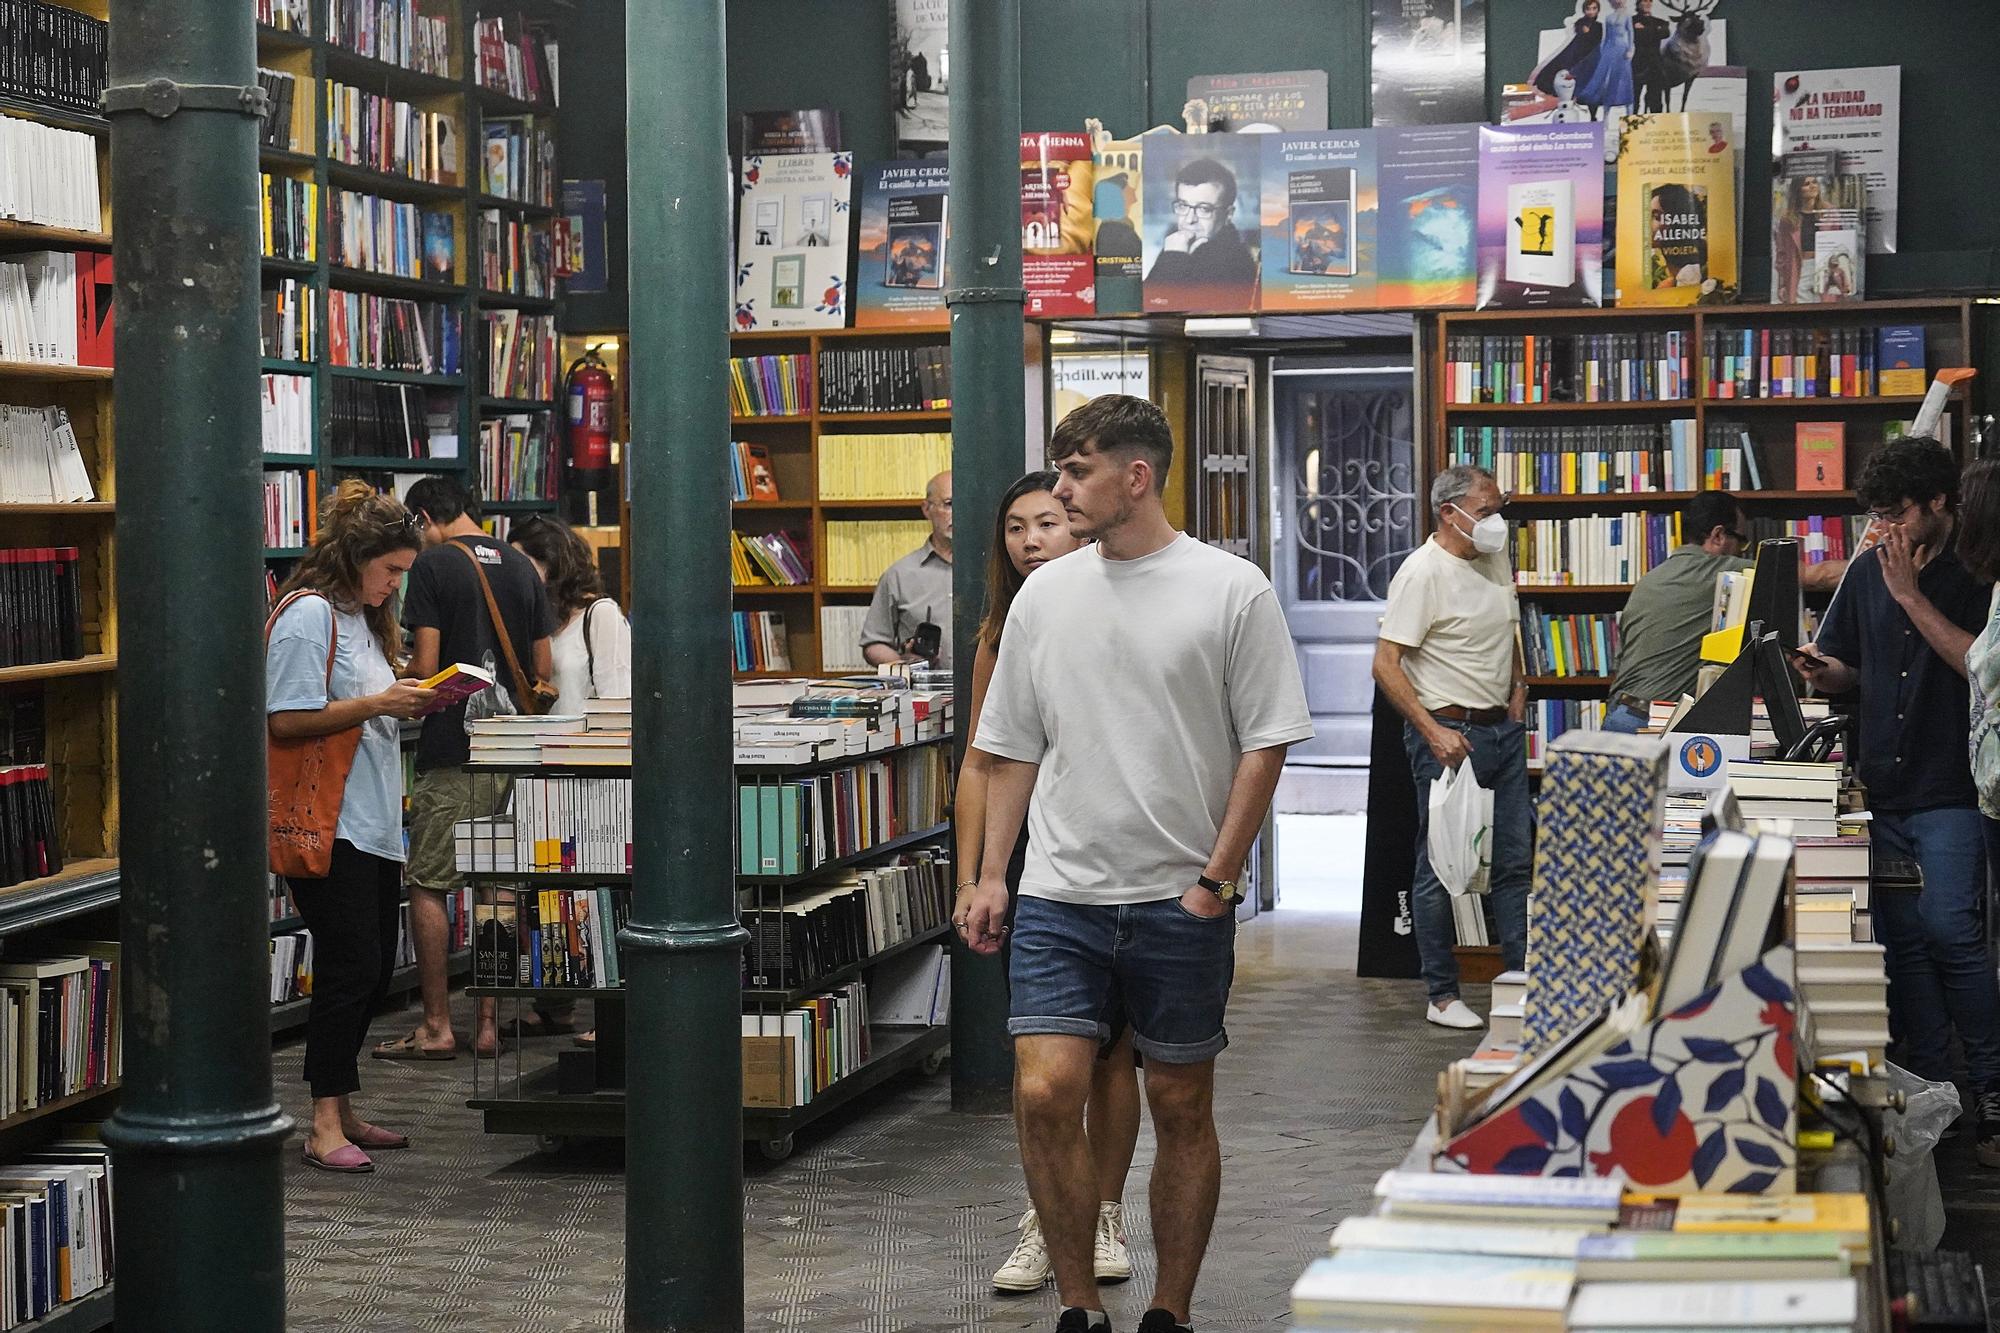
(684, 1115)
(989, 427)
(197, 1132)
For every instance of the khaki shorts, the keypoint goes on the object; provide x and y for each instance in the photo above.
(439, 799)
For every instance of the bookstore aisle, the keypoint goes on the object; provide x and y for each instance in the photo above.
(892, 1217)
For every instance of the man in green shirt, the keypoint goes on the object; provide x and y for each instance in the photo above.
(1659, 633)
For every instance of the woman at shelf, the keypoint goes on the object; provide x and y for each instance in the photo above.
(1030, 530)
(592, 648)
(329, 668)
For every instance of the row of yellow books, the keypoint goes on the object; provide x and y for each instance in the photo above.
(881, 467)
(859, 551)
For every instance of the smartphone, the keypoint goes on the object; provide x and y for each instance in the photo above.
(1805, 658)
(927, 641)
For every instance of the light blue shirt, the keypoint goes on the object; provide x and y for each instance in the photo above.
(295, 680)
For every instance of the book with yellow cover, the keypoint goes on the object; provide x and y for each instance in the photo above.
(1676, 209)
(455, 684)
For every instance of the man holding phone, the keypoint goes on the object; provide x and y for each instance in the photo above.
(910, 618)
(1898, 630)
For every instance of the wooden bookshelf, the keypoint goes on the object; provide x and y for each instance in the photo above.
(794, 441)
(1769, 421)
(461, 395)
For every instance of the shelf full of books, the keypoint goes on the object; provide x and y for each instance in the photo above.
(842, 796)
(1602, 424)
(58, 678)
(410, 295)
(836, 433)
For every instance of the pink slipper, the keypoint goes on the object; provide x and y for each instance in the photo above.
(380, 1139)
(346, 1159)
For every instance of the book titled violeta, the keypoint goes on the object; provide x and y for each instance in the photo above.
(1676, 209)
(899, 280)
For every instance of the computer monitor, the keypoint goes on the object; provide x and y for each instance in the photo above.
(1774, 686)
(1774, 590)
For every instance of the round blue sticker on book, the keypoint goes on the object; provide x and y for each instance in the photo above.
(1701, 756)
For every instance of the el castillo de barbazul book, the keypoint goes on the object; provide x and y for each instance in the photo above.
(791, 241)
(1319, 220)
(899, 279)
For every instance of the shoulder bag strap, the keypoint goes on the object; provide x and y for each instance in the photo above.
(522, 686)
(591, 649)
(332, 624)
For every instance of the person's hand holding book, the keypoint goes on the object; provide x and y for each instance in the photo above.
(405, 699)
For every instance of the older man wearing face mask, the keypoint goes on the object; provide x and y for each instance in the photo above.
(1446, 659)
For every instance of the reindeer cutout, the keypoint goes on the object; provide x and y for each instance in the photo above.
(1685, 54)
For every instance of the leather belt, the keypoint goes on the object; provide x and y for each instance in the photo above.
(1479, 717)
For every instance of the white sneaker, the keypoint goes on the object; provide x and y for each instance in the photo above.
(1454, 1015)
(1112, 1260)
(1027, 1268)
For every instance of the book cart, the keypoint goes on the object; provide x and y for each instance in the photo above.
(581, 1093)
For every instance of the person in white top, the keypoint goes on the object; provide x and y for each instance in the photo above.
(1145, 701)
(592, 651)
(1447, 660)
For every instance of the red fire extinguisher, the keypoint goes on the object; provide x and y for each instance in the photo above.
(589, 397)
(591, 491)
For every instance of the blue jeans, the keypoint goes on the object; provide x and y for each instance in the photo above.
(1623, 718)
(1085, 971)
(1500, 762)
(1940, 969)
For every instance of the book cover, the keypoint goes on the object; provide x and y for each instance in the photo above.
(1855, 114)
(1428, 184)
(1115, 210)
(1839, 254)
(1261, 103)
(774, 133)
(1202, 229)
(1541, 215)
(1822, 456)
(1058, 223)
(1676, 210)
(1899, 359)
(900, 278)
(440, 246)
(791, 243)
(1319, 220)
(763, 483)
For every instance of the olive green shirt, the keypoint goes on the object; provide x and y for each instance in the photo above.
(1659, 634)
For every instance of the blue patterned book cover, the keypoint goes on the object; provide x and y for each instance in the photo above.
(1597, 875)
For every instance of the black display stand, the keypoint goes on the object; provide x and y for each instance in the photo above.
(1388, 946)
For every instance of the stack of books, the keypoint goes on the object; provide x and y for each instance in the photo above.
(59, 1025)
(881, 467)
(291, 966)
(850, 918)
(1680, 835)
(55, 1225)
(516, 739)
(1503, 1018)
(859, 550)
(1838, 867)
(1846, 992)
(1806, 796)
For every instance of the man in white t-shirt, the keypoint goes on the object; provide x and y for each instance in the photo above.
(1447, 660)
(1146, 697)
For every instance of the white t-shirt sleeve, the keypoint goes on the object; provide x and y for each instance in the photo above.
(1267, 700)
(1411, 608)
(611, 650)
(295, 663)
(1010, 722)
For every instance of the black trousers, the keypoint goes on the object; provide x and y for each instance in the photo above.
(353, 917)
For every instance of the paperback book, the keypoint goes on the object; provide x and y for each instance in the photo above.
(1541, 215)
(791, 243)
(1676, 210)
(1058, 224)
(900, 279)
(1319, 220)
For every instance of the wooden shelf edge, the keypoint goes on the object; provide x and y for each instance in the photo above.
(39, 370)
(85, 507)
(89, 664)
(57, 1107)
(11, 230)
(85, 884)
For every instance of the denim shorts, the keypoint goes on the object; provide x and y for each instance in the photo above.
(1085, 971)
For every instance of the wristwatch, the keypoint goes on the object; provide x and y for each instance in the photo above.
(1226, 889)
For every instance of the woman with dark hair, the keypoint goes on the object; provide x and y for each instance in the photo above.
(330, 658)
(592, 649)
(1030, 530)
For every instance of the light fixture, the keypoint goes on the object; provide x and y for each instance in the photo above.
(1230, 326)
(1064, 338)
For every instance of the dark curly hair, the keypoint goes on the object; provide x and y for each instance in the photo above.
(1916, 468)
(572, 572)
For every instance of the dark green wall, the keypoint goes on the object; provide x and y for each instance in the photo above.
(1128, 62)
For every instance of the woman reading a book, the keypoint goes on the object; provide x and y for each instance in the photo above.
(1030, 530)
(592, 648)
(330, 668)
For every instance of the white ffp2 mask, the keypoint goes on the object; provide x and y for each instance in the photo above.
(1488, 534)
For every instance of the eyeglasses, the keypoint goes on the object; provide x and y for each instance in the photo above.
(1199, 212)
(1893, 517)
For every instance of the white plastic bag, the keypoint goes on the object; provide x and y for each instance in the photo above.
(1461, 831)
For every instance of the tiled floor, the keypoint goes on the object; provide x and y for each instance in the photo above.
(892, 1217)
